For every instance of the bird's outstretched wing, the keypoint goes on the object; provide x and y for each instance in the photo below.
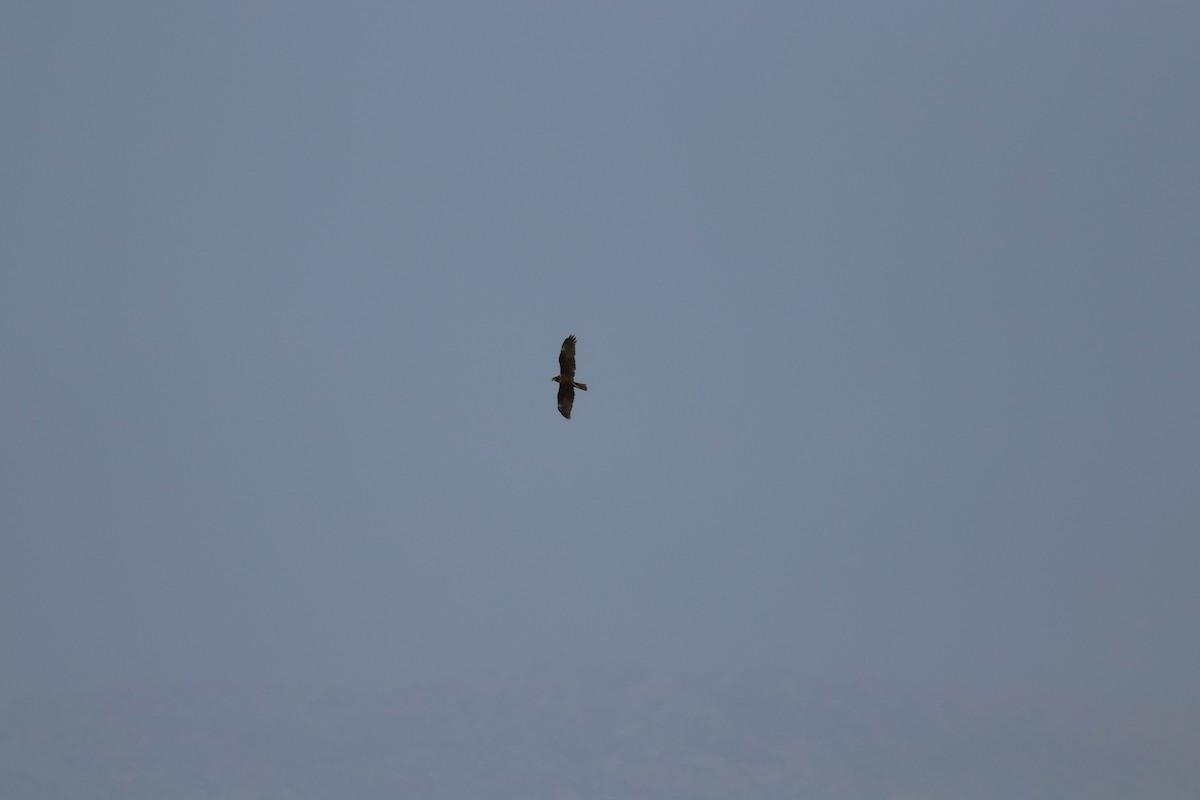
(566, 398)
(566, 361)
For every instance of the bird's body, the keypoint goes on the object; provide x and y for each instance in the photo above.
(566, 377)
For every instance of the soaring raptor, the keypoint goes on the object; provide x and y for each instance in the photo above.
(566, 377)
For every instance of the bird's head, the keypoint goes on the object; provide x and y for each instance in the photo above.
(555, 379)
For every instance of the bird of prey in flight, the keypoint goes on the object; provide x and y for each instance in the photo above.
(566, 377)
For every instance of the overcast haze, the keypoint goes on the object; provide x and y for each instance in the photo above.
(888, 313)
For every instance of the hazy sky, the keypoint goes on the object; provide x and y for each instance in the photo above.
(888, 311)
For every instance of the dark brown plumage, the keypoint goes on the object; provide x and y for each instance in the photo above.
(566, 377)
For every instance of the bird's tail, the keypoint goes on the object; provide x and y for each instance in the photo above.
(582, 386)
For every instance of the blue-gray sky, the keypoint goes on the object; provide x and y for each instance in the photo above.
(889, 314)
